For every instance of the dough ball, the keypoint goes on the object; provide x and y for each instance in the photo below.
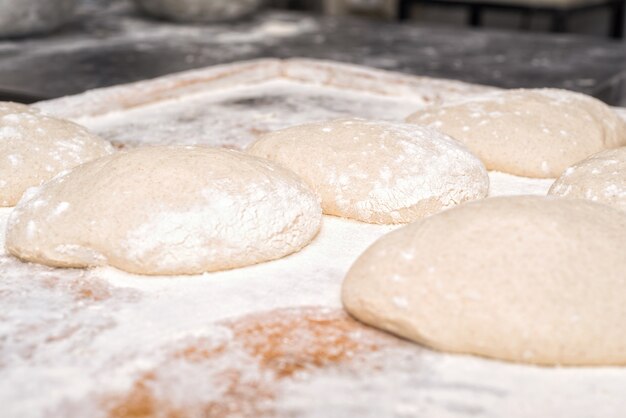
(377, 172)
(531, 133)
(34, 148)
(26, 17)
(166, 210)
(527, 279)
(601, 178)
(198, 10)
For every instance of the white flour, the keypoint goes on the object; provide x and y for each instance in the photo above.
(104, 343)
(234, 117)
(69, 337)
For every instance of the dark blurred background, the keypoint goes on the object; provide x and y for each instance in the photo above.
(594, 21)
(573, 44)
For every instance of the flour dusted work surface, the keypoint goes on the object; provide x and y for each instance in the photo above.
(166, 210)
(599, 178)
(231, 105)
(35, 147)
(377, 172)
(264, 340)
(527, 279)
(528, 132)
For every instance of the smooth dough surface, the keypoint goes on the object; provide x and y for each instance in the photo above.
(528, 132)
(600, 178)
(198, 10)
(377, 172)
(166, 210)
(527, 279)
(35, 147)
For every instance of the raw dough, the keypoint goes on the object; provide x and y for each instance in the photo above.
(34, 148)
(601, 178)
(532, 133)
(198, 10)
(26, 17)
(527, 279)
(378, 172)
(166, 210)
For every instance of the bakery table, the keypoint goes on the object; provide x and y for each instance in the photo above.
(270, 339)
(114, 44)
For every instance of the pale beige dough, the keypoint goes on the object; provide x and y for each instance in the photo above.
(528, 132)
(527, 279)
(35, 147)
(377, 172)
(600, 178)
(166, 210)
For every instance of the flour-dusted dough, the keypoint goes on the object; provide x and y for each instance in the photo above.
(34, 148)
(601, 178)
(198, 10)
(166, 210)
(528, 279)
(378, 172)
(532, 133)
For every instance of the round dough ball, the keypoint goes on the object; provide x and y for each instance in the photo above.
(34, 148)
(377, 172)
(26, 17)
(166, 210)
(526, 279)
(601, 178)
(198, 10)
(528, 132)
